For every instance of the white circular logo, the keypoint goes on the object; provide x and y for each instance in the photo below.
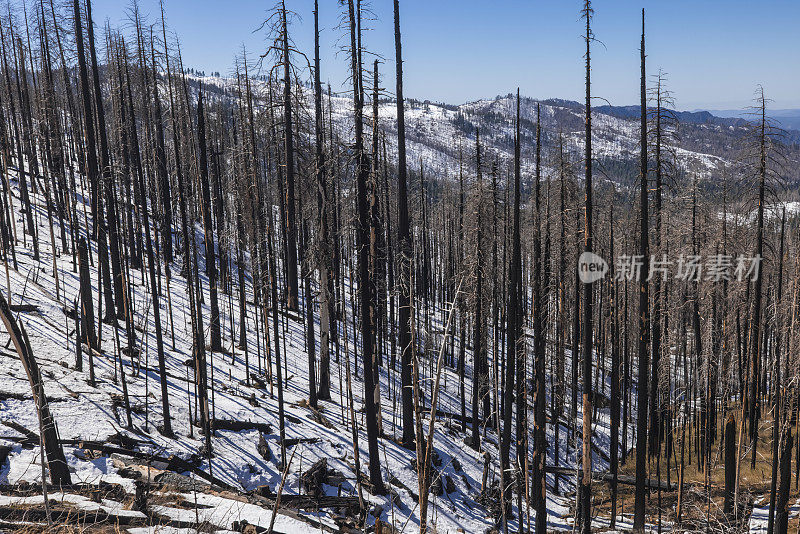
(591, 267)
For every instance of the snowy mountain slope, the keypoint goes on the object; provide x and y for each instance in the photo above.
(97, 413)
(83, 412)
(436, 133)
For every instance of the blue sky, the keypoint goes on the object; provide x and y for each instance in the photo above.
(715, 52)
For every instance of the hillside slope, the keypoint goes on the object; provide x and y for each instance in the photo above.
(98, 414)
(702, 144)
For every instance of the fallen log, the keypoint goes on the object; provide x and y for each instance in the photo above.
(24, 308)
(32, 441)
(607, 477)
(319, 417)
(449, 415)
(67, 516)
(307, 502)
(263, 448)
(104, 490)
(292, 419)
(30, 437)
(173, 463)
(291, 442)
(399, 483)
(290, 505)
(25, 443)
(7, 395)
(238, 426)
(246, 528)
(180, 482)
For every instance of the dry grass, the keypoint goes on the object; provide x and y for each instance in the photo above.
(703, 493)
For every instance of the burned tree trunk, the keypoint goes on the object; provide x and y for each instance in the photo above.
(366, 285)
(782, 517)
(539, 334)
(59, 473)
(92, 169)
(514, 341)
(754, 339)
(730, 464)
(115, 303)
(480, 371)
(404, 239)
(615, 379)
(208, 227)
(585, 484)
(644, 313)
(87, 307)
(290, 233)
(325, 272)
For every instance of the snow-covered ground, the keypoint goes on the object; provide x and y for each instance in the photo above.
(83, 412)
(759, 517)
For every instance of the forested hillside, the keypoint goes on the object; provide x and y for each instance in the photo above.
(256, 303)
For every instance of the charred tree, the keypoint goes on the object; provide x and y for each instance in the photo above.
(366, 283)
(289, 229)
(480, 371)
(326, 279)
(404, 242)
(644, 311)
(208, 226)
(585, 483)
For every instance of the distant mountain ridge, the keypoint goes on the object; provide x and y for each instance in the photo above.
(788, 119)
(692, 117)
(706, 145)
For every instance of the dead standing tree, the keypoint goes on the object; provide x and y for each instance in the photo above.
(663, 122)
(762, 161)
(208, 226)
(644, 312)
(585, 483)
(479, 373)
(514, 339)
(108, 225)
(59, 473)
(326, 280)
(283, 48)
(404, 239)
(540, 292)
(366, 282)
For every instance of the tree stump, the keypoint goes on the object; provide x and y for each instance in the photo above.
(730, 464)
(314, 477)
